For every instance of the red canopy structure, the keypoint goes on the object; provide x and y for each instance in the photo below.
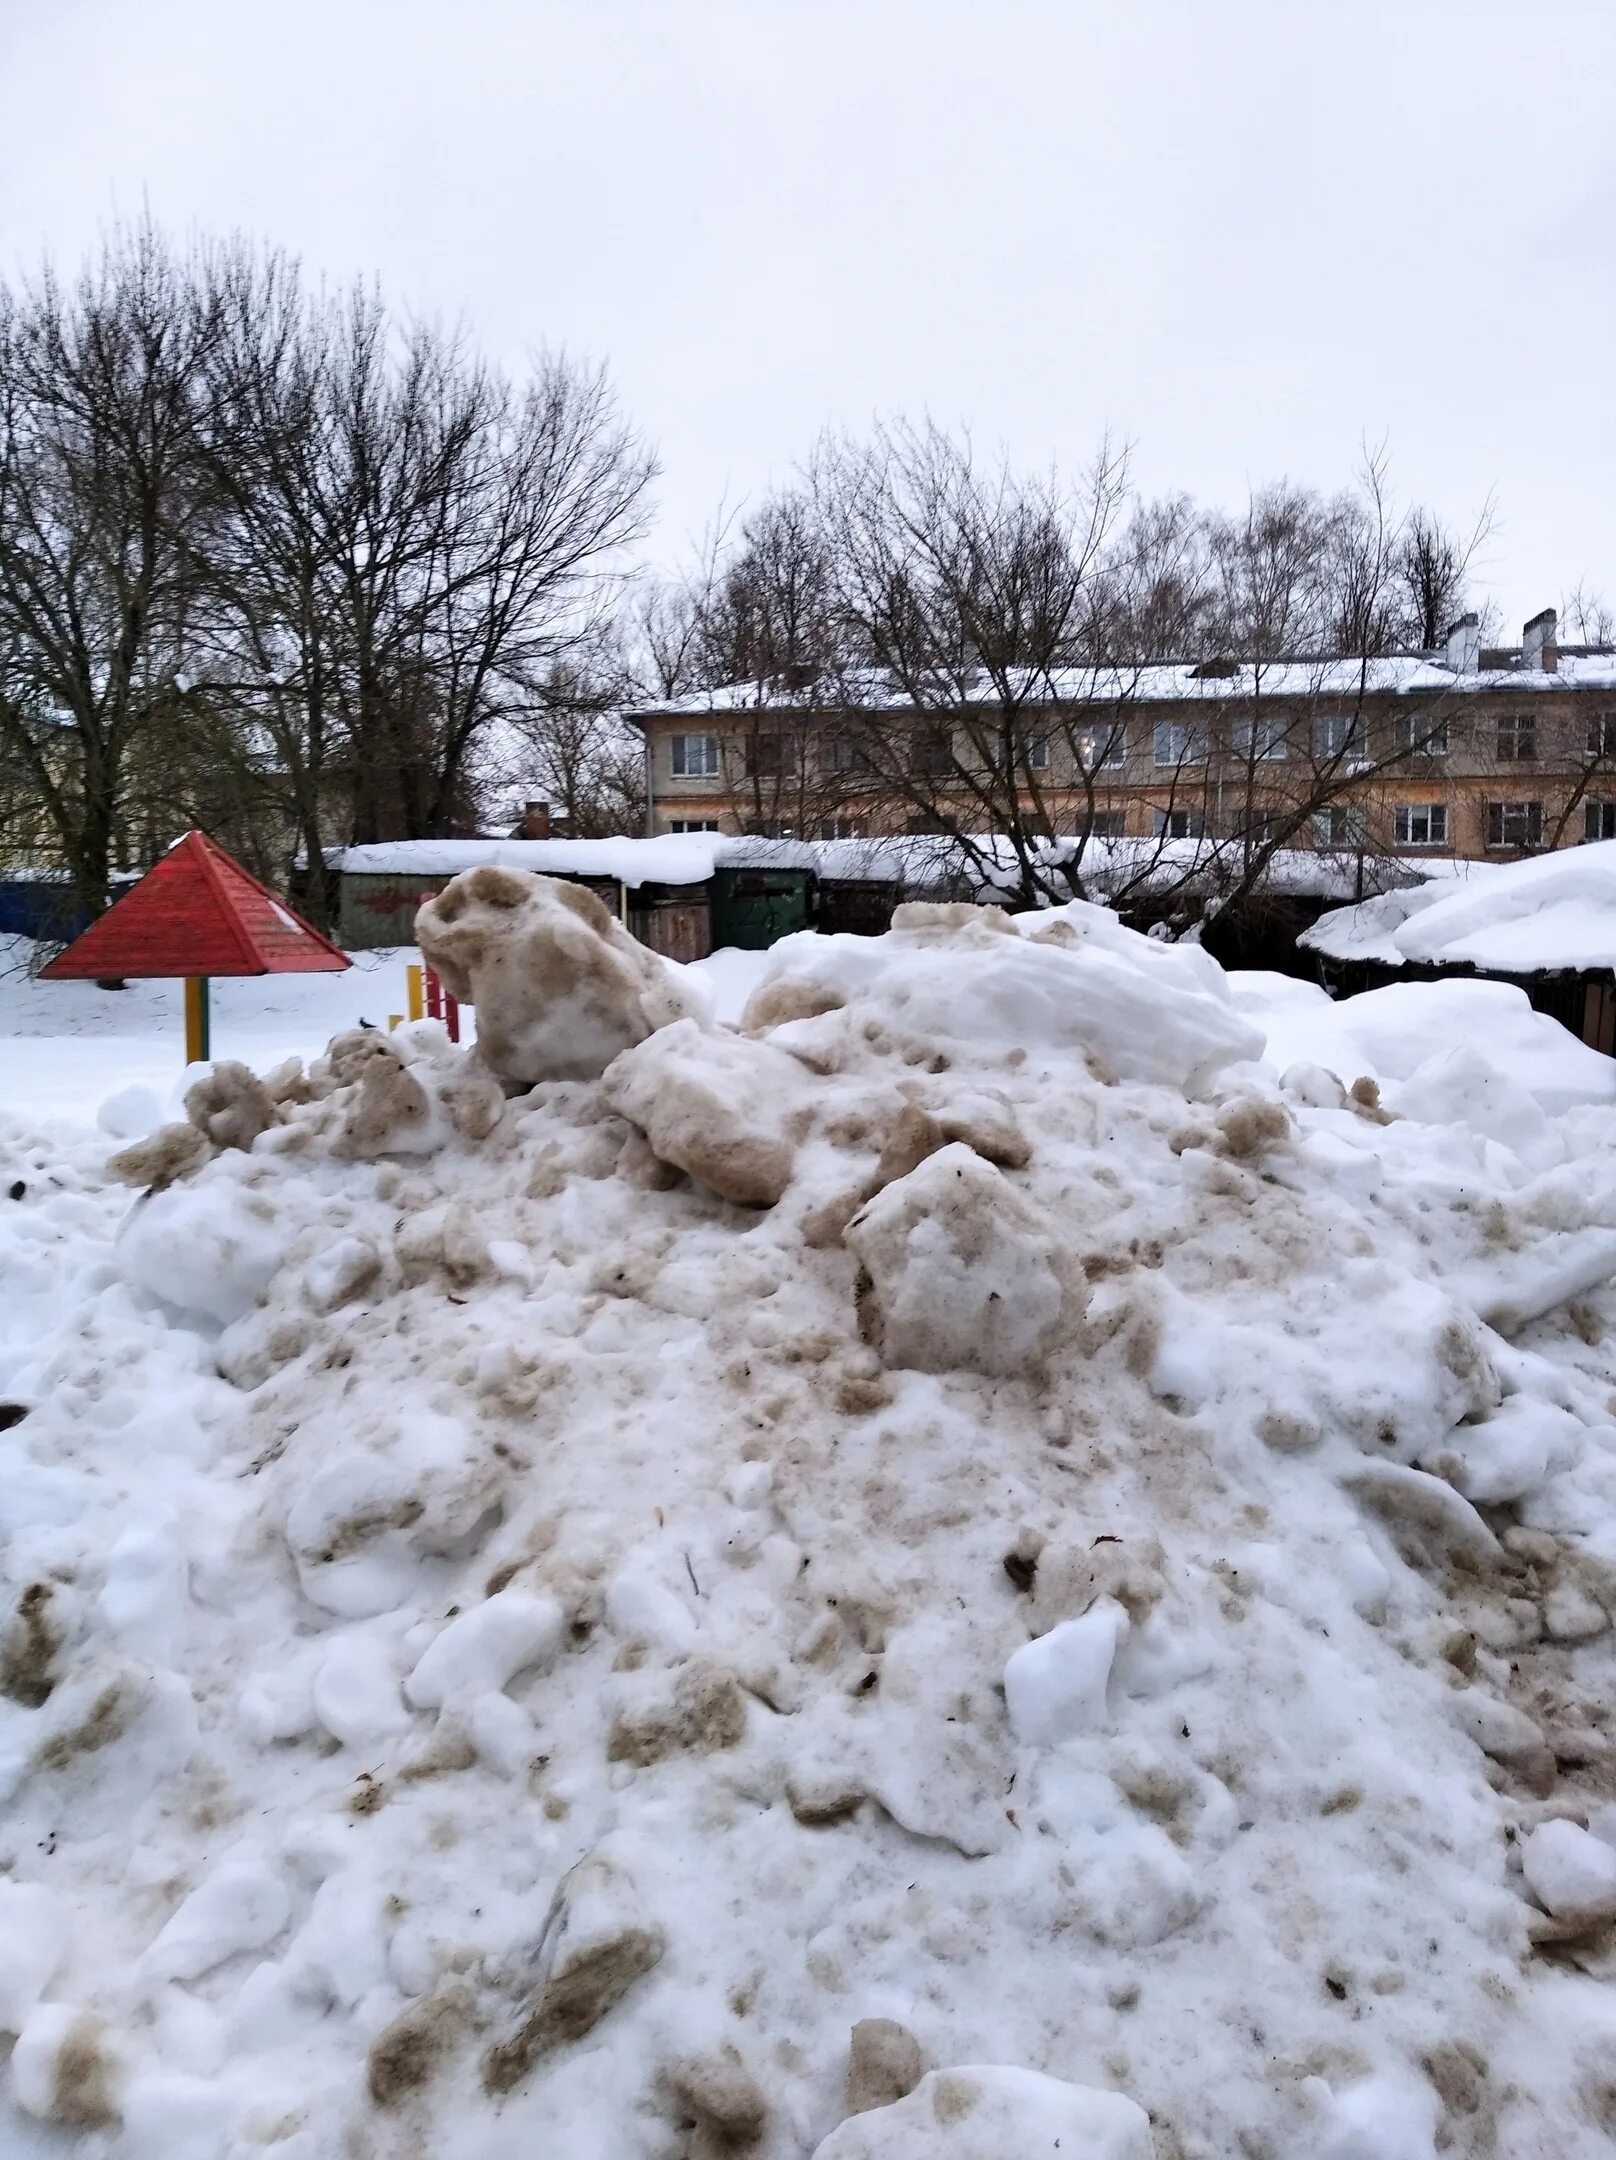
(196, 913)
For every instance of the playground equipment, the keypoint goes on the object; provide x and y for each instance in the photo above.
(197, 913)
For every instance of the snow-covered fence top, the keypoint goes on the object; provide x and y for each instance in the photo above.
(1547, 915)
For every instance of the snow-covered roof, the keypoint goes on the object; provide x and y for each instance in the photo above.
(669, 859)
(1550, 913)
(1167, 682)
(920, 861)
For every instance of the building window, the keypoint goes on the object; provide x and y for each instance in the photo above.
(1340, 826)
(1598, 820)
(1514, 824)
(1263, 737)
(1102, 746)
(693, 757)
(1517, 738)
(692, 824)
(933, 753)
(1416, 734)
(838, 754)
(1178, 742)
(1335, 735)
(1602, 735)
(1107, 824)
(767, 756)
(1260, 830)
(1177, 824)
(1038, 755)
(1422, 824)
(844, 828)
(765, 828)
(927, 823)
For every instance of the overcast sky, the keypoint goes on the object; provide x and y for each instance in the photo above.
(1244, 236)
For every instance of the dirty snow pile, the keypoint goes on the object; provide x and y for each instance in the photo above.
(965, 1571)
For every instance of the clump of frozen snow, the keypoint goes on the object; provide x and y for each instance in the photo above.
(559, 985)
(728, 1111)
(983, 2112)
(963, 1271)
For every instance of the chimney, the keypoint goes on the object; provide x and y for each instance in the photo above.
(535, 823)
(1464, 645)
(1538, 646)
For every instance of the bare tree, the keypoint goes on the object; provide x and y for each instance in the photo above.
(963, 592)
(414, 541)
(1434, 568)
(1589, 617)
(106, 501)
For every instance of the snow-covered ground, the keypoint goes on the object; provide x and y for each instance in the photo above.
(65, 1047)
(1068, 1614)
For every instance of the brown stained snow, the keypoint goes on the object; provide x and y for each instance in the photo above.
(781, 1554)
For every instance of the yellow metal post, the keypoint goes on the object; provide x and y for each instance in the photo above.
(196, 1019)
(394, 1020)
(416, 997)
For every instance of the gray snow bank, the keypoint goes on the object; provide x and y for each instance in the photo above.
(1106, 1580)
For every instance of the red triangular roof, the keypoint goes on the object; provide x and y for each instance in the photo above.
(197, 913)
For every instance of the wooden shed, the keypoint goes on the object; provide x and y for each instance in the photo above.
(674, 920)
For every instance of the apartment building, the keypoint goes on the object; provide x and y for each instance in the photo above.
(1462, 751)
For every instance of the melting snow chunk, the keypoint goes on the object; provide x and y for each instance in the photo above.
(1055, 1687)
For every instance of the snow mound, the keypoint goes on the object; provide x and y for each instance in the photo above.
(969, 1522)
(942, 978)
(559, 985)
(1405, 1029)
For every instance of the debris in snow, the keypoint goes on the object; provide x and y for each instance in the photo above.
(173, 1151)
(230, 1106)
(700, 1710)
(597, 1941)
(65, 2069)
(722, 2097)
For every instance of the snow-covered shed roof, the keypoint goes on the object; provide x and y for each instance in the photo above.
(663, 859)
(919, 861)
(1548, 914)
